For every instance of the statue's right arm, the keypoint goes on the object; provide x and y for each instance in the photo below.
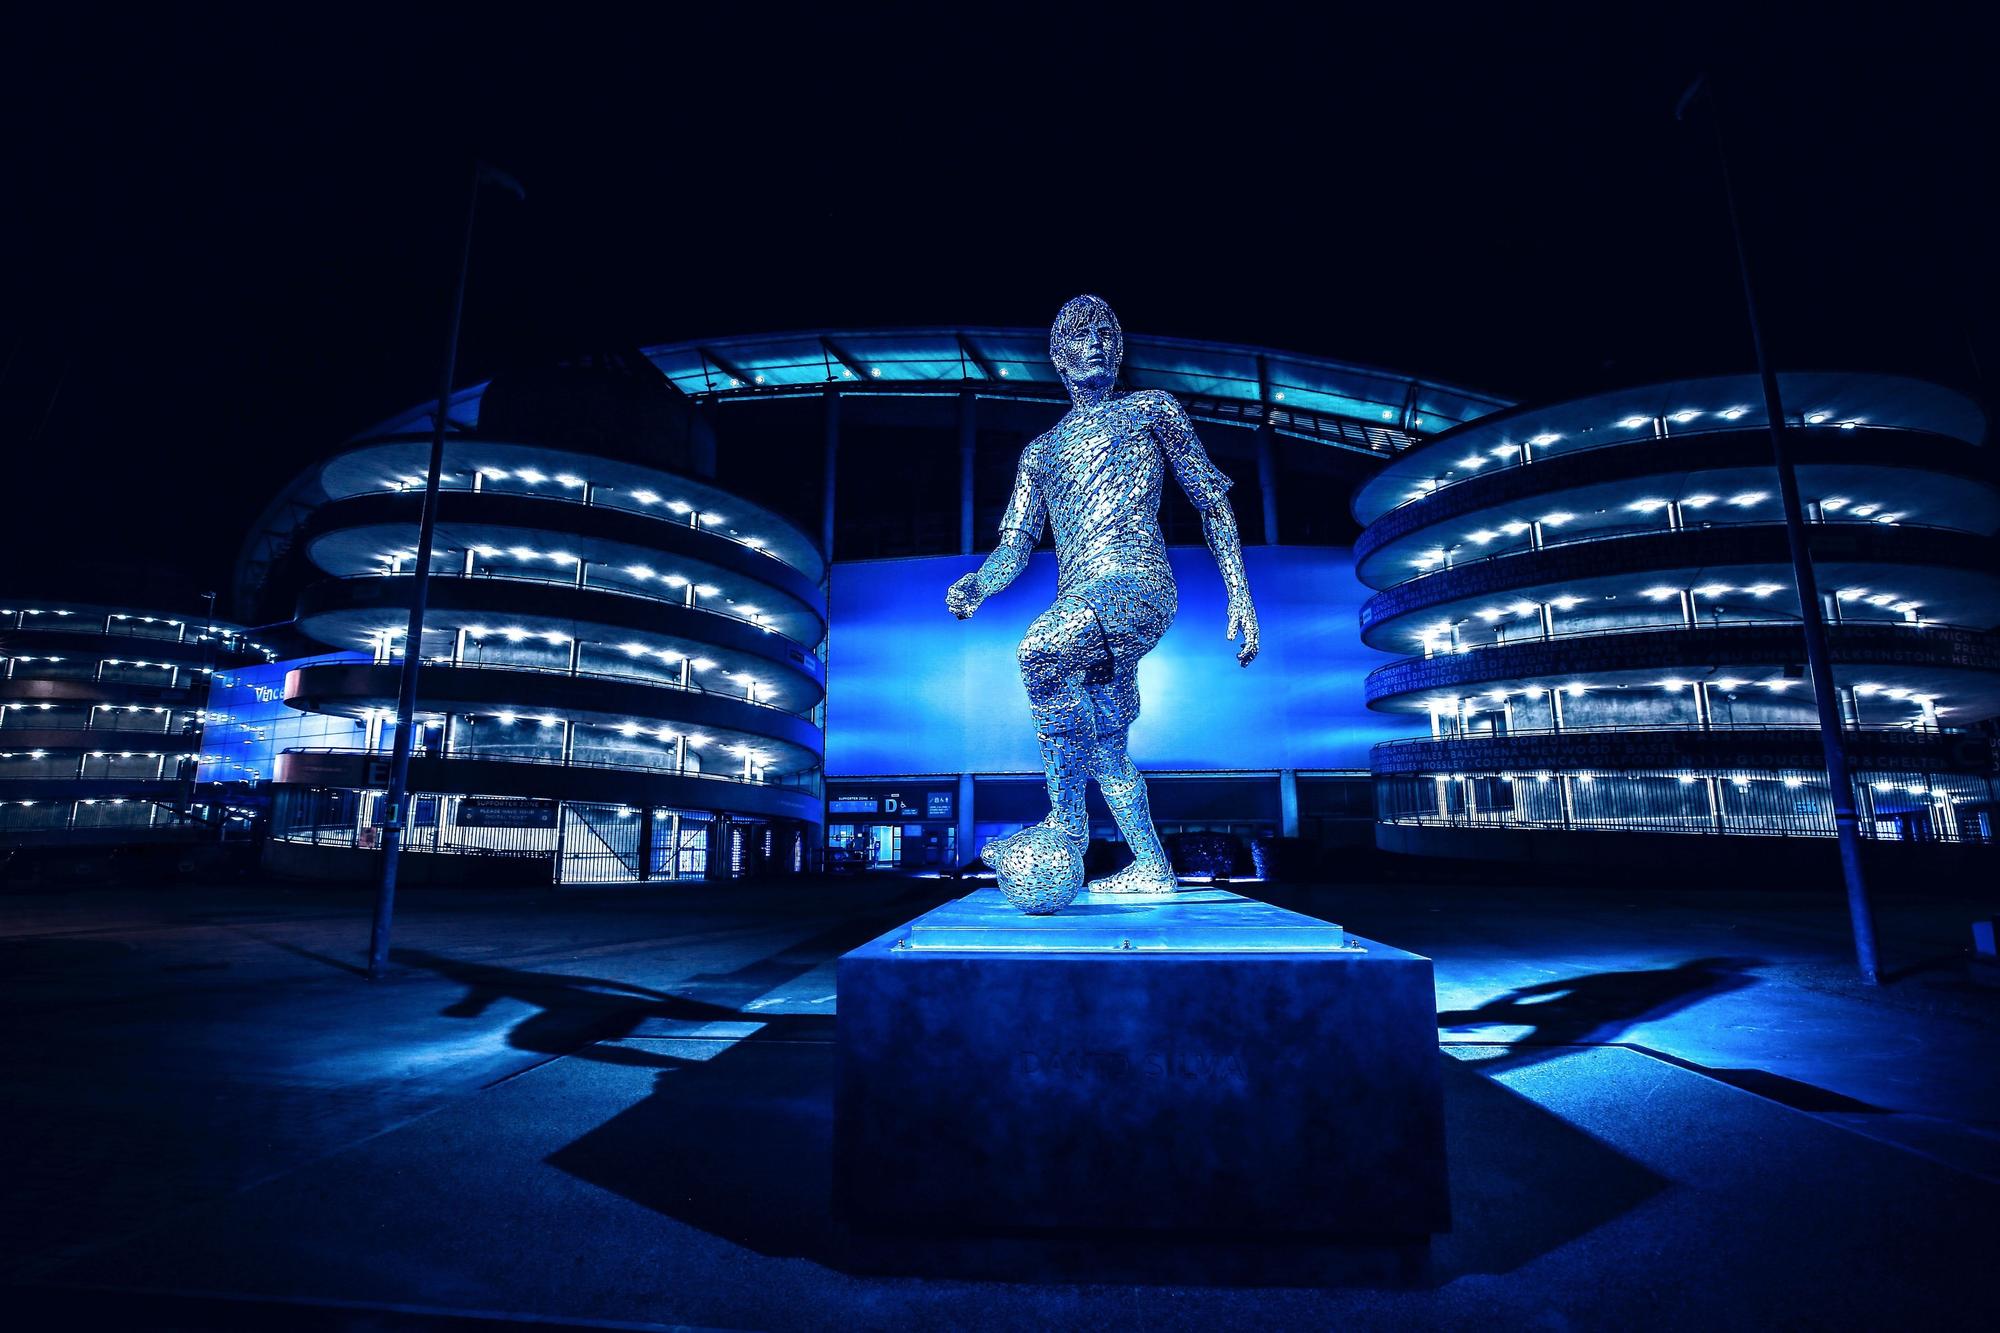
(1020, 528)
(998, 570)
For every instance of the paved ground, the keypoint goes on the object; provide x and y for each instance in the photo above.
(613, 1107)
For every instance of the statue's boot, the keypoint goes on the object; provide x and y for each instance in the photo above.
(1150, 872)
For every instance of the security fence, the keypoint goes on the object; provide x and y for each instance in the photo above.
(582, 842)
(1912, 807)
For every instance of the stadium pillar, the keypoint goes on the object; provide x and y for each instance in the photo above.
(968, 438)
(966, 851)
(830, 442)
(701, 440)
(1288, 802)
(1267, 479)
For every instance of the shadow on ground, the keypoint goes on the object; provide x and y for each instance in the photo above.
(1597, 1008)
(736, 1140)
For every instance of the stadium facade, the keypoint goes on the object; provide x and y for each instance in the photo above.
(1601, 630)
(104, 721)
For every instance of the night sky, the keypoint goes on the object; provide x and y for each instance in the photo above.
(230, 233)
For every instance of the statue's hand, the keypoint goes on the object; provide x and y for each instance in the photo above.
(1243, 616)
(964, 597)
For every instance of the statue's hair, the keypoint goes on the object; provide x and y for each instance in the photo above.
(1081, 312)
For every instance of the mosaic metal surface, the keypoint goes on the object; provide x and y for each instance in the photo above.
(1096, 479)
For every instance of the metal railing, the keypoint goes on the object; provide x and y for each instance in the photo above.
(1709, 626)
(1499, 465)
(1586, 537)
(607, 589)
(562, 672)
(804, 780)
(591, 502)
(1804, 725)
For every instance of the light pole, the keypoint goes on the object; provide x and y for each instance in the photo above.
(413, 640)
(1832, 743)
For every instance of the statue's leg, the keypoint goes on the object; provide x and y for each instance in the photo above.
(1115, 705)
(1060, 647)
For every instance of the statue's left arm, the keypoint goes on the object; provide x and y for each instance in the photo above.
(1207, 488)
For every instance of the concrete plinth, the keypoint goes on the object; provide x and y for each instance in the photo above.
(1202, 1062)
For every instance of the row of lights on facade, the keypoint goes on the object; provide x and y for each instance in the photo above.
(393, 561)
(570, 481)
(1511, 451)
(1436, 556)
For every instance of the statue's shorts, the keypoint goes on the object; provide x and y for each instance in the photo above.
(1080, 658)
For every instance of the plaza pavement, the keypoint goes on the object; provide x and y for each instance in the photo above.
(612, 1109)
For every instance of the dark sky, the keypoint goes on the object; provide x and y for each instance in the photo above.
(229, 232)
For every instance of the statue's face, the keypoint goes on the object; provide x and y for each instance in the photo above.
(1086, 343)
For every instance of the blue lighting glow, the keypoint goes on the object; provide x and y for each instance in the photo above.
(250, 725)
(911, 690)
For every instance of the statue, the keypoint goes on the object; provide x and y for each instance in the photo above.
(1097, 476)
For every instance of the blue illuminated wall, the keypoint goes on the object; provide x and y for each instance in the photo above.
(911, 690)
(249, 724)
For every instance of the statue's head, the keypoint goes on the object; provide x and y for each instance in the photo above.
(1086, 344)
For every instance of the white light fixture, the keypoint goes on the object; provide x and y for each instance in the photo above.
(1633, 423)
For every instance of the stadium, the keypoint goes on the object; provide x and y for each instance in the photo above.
(687, 621)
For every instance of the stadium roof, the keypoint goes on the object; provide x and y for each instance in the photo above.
(1373, 410)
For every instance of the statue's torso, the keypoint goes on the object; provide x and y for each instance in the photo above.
(1100, 474)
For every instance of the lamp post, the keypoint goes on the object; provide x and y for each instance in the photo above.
(397, 798)
(1832, 743)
